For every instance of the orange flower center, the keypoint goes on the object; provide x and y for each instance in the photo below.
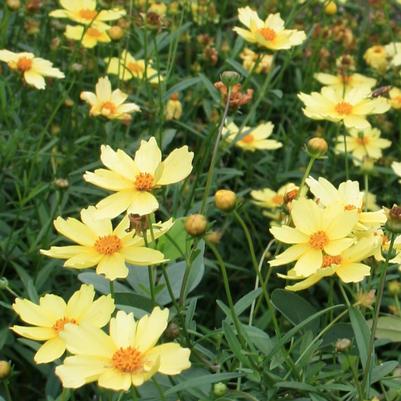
(278, 199)
(268, 34)
(127, 360)
(331, 260)
(108, 244)
(248, 138)
(95, 33)
(135, 68)
(109, 107)
(59, 325)
(397, 99)
(24, 64)
(346, 79)
(349, 207)
(144, 182)
(85, 13)
(362, 140)
(343, 108)
(318, 240)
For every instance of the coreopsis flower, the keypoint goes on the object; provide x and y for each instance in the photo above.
(396, 166)
(317, 232)
(395, 98)
(84, 12)
(89, 37)
(133, 180)
(173, 109)
(33, 69)
(107, 249)
(343, 81)
(251, 139)
(108, 103)
(347, 197)
(127, 67)
(393, 51)
(269, 33)
(351, 107)
(269, 199)
(48, 319)
(377, 58)
(363, 144)
(250, 61)
(127, 356)
(347, 266)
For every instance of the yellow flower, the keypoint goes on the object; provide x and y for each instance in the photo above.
(48, 319)
(173, 108)
(101, 246)
(108, 103)
(249, 58)
(251, 138)
(127, 67)
(269, 33)
(33, 69)
(89, 37)
(345, 81)
(364, 144)
(269, 199)
(317, 230)
(133, 180)
(84, 12)
(377, 58)
(127, 356)
(396, 166)
(395, 98)
(347, 197)
(393, 51)
(347, 266)
(351, 107)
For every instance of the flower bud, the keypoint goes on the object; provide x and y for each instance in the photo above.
(230, 78)
(394, 220)
(14, 4)
(195, 224)
(366, 299)
(219, 389)
(342, 344)
(115, 32)
(330, 8)
(317, 147)
(394, 287)
(61, 183)
(225, 200)
(214, 237)
(5, 369)
(172, 331)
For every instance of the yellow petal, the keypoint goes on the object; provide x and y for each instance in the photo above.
(88, 258)
(143, 203)
(309, 263)
(50, 351)
(289, 255)
(119, 162)
(115, 380)
(122, 329)
(289, 235)
(34, 79)
(76, 231)
(311, 280)
(31, 313)
(101, 227)
(143, 256)
(113, 267)
(53, 306)
(353, 272)
(34, 333)
(307, 216)
(337, 246)
(173, 358)
(79, 302)
(115, 204)
(108, 180)
(342, 224)
(63, 252)
(148, 156)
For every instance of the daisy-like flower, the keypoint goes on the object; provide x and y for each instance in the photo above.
(351, 107)
(269, 199)
(89, 37)
(396, 166)
(84, 12)
(133, 180)
(251, 138)
(395, 98)
(128, 67)
(249, 60)
(377, 58)
(347, 197)
(364, 144)
(127, 356)
(393, 51)
(345, 81)
(347, 266)
(33, 69)
(317, 232)
(108, 103)
(270, 33)
(48, 319)
(104, 248)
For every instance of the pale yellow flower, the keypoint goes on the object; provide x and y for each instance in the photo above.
(99, 245)
(133, 180)
(33, 69)
(173, 109)
(395, 98)
(377, 58)
(90, 36)
(345, 81)
(84, 12)
(270, 33)
(352, 106)
(127, 67)
(127, 356)
(269, 199)
(317, 231)
(364, 144)
(108, 103)
(394, 53)
(49, 318)
(251, 139)
(396, 166)
(249, 59)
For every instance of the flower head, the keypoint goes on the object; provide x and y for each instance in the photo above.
(127, 356)
(89, 37)
(352, 106)
(33, 69)
(133, 180)
(395, 98)
(269, 199)
(343, 81)
(393, 51)
(48, 319)
(249, 61)
(377, 58)
(108, 103)
(101, 246)
(269, 33)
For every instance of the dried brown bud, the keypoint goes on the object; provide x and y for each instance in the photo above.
(342, 344)
(138, 223)
(394, 220)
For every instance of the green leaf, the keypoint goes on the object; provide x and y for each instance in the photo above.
(234, 344)
(388, 328)
(362, 333)
(382, 370)
(245, 302)
(134, 300)
(338, 331)
(172, 244)
(184, 84)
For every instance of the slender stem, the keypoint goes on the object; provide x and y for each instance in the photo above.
(346, 154)
(366, 184)
(355, 376)
(150, 271)
(7, 391)
(112, 289)
(306, 174)
(366, 372)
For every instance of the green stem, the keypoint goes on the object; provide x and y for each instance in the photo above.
(355, 377)
(366, 184)
(150, 269)
(112, 289)
(7, 391)
(306, 174)
(346, 154)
